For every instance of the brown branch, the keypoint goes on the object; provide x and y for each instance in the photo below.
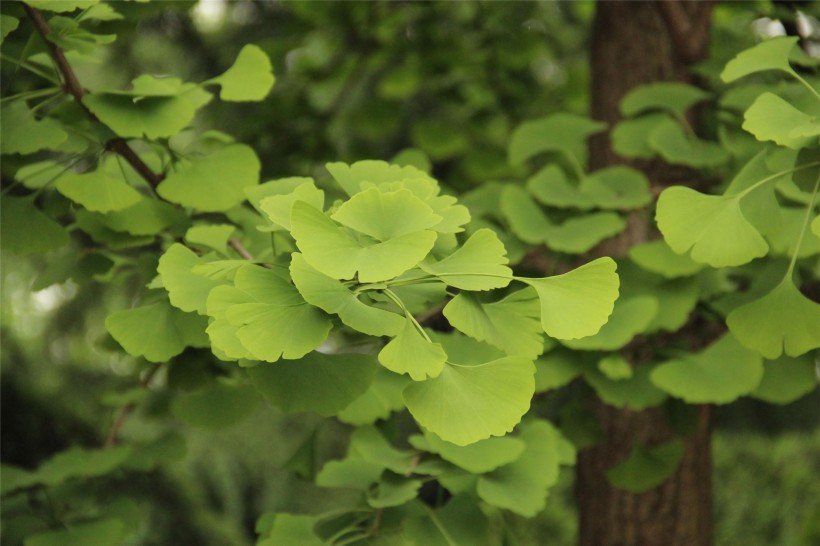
(237, 245)
(690, 37)
(126, 410)
(73, 87)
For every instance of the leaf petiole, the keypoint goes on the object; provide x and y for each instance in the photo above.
(804, 228)
(392, 295)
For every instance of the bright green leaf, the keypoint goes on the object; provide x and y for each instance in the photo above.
(713, 226)
(657, 257)
(617, 187)
(480, 264)
(215, 408)
(212, 236)
(631, 137)
(783, 319)
(278, 207)
(351, 177)
(551, 187)
(147, 217)
(560, 132)
(675, 146)
(646, 467)
(576, 304)
(293, 529)
(630, 317)
(723, 372)
(186, 290)
(786, 379)
(615, 367)
(468, 403)
(62, 6)
(216, 182)
(21, 133)
(98, 191)
(478, 458)
(410, 353)
(26, 230)
(673, 97)
(323, 383)
(249, 79)
(527, 221)
(386, 216)
(772, 118)
(772, 54)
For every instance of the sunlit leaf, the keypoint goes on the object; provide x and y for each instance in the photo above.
(646, 467)
(480, 264)
(522, 486)
(186, 290)
(562, 132)
(278, 207)
(468, 403)
(250, 78)
(512, 324)
(332, 296)
(772, 54)
(481, 457)
(578, 303)
(323, 383)
(351, 177)
(720, 374)
(673, 97)
(386, 216)
(216, 182)
(212, 236)
(22, 133)
(147, 217)
(712, 226)
(630, 317)
(410, 353)
(772, 118)
(784, 320)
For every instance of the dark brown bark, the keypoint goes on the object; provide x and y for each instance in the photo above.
(635, 43)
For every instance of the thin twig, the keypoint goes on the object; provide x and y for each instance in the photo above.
(73, 87)
(126, 410)
(237, 245)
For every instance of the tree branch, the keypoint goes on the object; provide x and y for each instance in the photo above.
(73, 87)
(126, 410)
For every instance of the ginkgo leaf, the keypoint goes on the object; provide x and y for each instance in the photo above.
(216, 407)
(272, 320)
(323, 383)
(280, 186)
(381, 399)
(468, 403)
(351, 177)
(615, 367)
(329, 249)
(617, 187)
(480, 457)
(511, 324)
(782, 320)
(646, 467)
(522, 486)
(8, 24)
(772, 54)
(98, 191)
(630, 137)
(157, 331)
(101, 532)
(387, 215)
(333, 297)
(786, 379)
(673, 97)
(393, 490)
(675, 146)
(579, 234)
(772, 118)
(630, 317)
(369, 444)
(658, 257)
(713, 226)
(556, 369)
(676, 297)
(186, 290)
(26, 230)
(278, 207)
(720, 374)
(480, 264)
(459, 522)
(576, 304)
(22, 133)
(410, 353)
(212, 236)
(562, 132)
(551, 187)
(527, 221)
(225, 343)
(147, 217)
(636, 392)
(216, 182)
(250, 78)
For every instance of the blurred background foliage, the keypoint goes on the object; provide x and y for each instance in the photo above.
(355, 80)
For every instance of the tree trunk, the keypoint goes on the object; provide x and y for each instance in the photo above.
(635, 43)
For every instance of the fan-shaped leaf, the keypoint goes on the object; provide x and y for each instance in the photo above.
(478, 458)
(772, 118)
(630, 317)
(410, 353)
(580, 234)
(21, 133)
(636, 392)
(560, 132)
(26, 230)
(672, 97)
(786, 379)
(381, 399)
(551, 187)
(249, 79)
(351, 177)
(278, 207)
(772, 54)
(386, 216)
(659, 258)
(480, 264)
(186, 290)
(617, 187)
(646, 467)
(676, 147)
(527, 220)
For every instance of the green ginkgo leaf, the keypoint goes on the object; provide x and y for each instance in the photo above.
(670, 141)
(511, 324)
(772, 54)
(98, 191)
(22, 133)
(216, 182)
(225, 343)
(673, 97)
(646, 467)
(216, 407)
(393, 490)
(772, 118)
(386, 215)
(211, 236)
(381, 399)
(562, 132)
(551, 187)
(250, 78)
(630, 317)
(369, 444)
(270, 318)
(786, 379)
(676, 297)
(280, 186)
(101, 532)
(576, 304)
(331, 296)
(459, 522)
(556, 369)
(657, 257)
(468, 403)
(329, 249)
(527, 221)
(718, 375)
(578, 235)
(157, 331)
(522, 486)
(148, 217)
(153, 116)
(278, 207)
(186, 290)
(782, 320)
(8, 24)
(615, 367)
(323, 383)
(480, 264)
(412, 354)
(630, 137)
(481, 457)
(712, 226)
(617, 187)
(351, 177)
(26, 230)
(636, 392)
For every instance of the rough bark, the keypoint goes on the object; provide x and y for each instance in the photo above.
(636, 43)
